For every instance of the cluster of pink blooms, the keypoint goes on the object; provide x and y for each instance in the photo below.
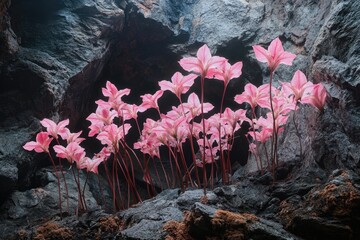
(284, 100)
(214, 133)
(73, 152)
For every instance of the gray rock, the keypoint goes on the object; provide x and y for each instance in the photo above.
(145, 230)
(38, 204)
(53, 42)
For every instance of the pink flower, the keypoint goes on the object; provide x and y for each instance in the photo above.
(315, 96)
(151, 101)
(73, 152)
(253, 95)
(261, 136)
(95, 129)
(226, 72)
(267, 123)
(112, 134)
(297, 86)
(148, 145)
(55, 129)
(194, 107)
(179, 84)
(102, 116)
(41, 145)
(73, 137)
(130, 111)
(211, 153)
(274, 56)
(114, 95)
(204, 64)
(176, 112)
(104, 153)
(281, 105)
(176, 130)
(233, 117)
(93, 164)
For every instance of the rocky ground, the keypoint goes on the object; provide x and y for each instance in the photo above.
(251, 208)
(56, 55)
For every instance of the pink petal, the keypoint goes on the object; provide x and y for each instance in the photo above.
(208, 107)
(261, 53)
(299, 80)
(63, 123)
(204, 54)
(176, 78)
(166, 85)
(191, 64)
(236, 70)
(29, 146)
(188, 80)
(286, 58)
(47, 123)
(275, 47)
(193, 99)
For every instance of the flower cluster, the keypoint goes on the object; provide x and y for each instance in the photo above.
(192, 121)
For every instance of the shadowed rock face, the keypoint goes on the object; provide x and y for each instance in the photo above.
(56, 55)
(44, 44)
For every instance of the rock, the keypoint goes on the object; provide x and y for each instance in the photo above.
(36, 204)
(46, 44)
(205, 222)
(92, 225)
(146, 220)
(8, 38)
(328, 211)
(8, 177)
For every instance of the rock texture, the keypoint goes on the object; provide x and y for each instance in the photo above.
(44, 44)
(56, 55)
(38, 205)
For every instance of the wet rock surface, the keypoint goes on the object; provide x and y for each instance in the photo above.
(56, 55)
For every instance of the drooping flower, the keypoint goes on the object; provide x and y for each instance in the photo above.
(203, 64)
(267, 123)
(41, 144)
(211, 152)
(274, 55)
(148, 145)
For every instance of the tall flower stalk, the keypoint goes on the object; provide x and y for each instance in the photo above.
(273, 56)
